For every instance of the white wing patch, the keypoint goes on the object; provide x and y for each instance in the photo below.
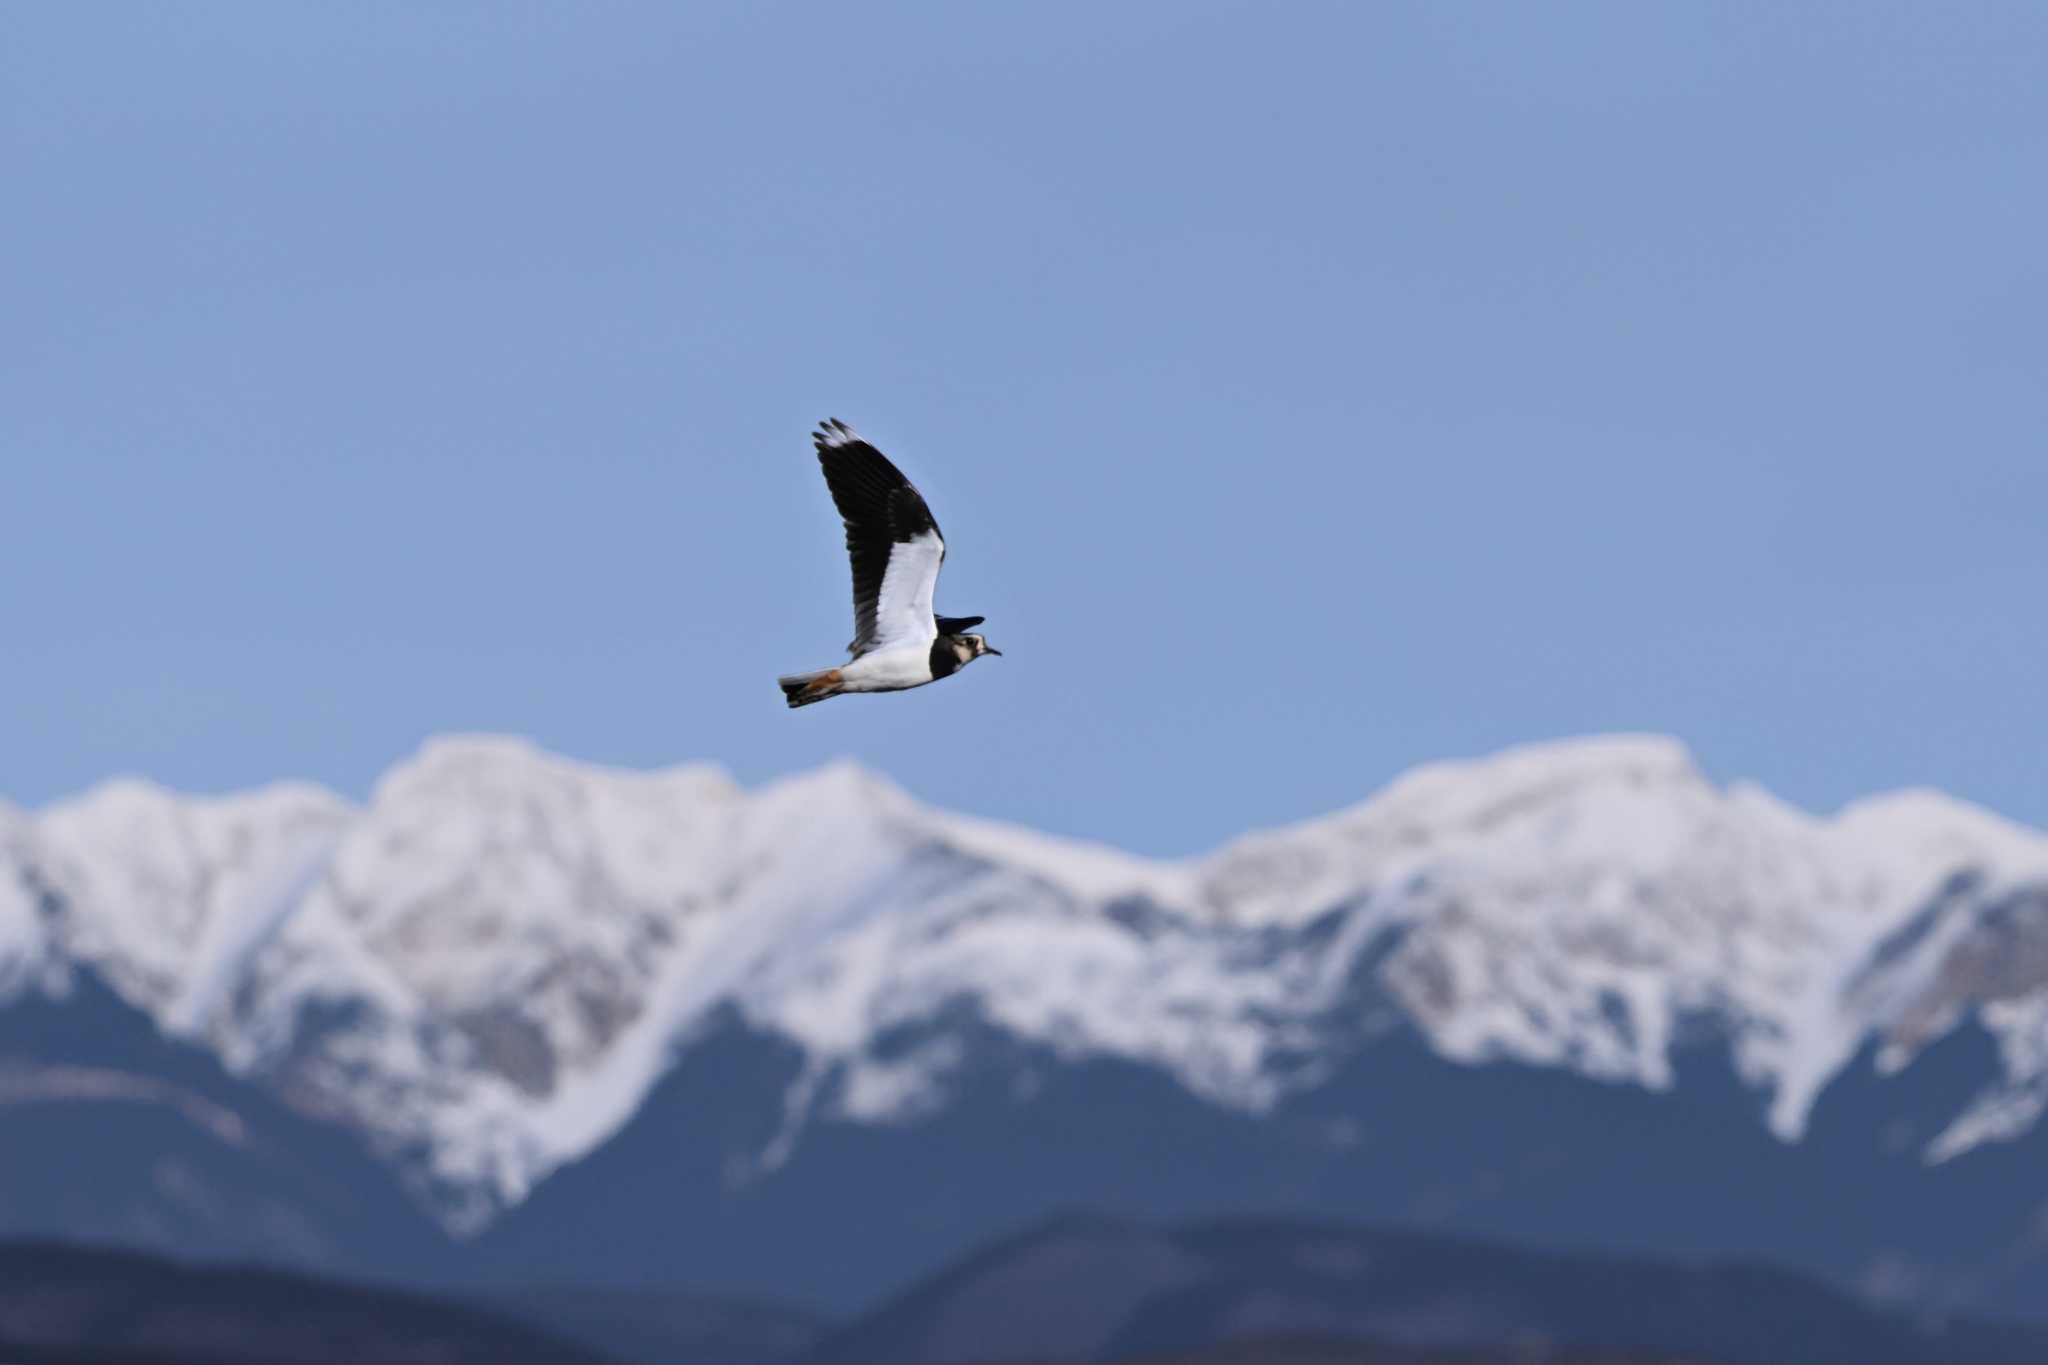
(903, 609)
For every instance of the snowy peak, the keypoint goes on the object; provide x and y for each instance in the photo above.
(157, 887)
(1623, 789)
(488, 966)
(1474, 793)
(480, 769)
(1931, 826)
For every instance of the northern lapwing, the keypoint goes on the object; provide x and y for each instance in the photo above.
(898, 641)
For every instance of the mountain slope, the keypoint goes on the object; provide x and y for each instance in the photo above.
(1086, 1288)
(75, 1303)
(112, 1132)
(655, 1327)
(1540, 1155)
(1295, 1350)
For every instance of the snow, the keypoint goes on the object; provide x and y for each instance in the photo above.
(147, 875)
(488, 966)
(24, 943)
(251, 918)
(73, 1083)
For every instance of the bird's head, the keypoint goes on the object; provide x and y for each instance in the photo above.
(978, 645)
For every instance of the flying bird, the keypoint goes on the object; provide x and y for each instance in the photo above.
(898, 640)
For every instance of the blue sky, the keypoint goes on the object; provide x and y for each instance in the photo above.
(1306, 391)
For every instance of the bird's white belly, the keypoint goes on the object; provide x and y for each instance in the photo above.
(888, 670)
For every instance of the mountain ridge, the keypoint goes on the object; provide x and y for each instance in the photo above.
(1082, 1287)
(488, 966)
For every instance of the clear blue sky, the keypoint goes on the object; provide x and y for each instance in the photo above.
(1306, 390)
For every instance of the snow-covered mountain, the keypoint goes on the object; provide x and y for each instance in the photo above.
(487, 968)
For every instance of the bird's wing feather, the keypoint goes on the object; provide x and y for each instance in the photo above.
(891, 539)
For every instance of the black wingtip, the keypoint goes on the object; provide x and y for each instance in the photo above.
(831, 434)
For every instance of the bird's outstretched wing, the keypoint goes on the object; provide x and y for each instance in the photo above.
(890, 537)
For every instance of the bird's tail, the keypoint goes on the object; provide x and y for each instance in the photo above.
(801, 689)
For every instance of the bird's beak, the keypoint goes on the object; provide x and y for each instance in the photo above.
(997, 652)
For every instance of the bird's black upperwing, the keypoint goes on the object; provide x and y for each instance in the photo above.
(881, 510)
